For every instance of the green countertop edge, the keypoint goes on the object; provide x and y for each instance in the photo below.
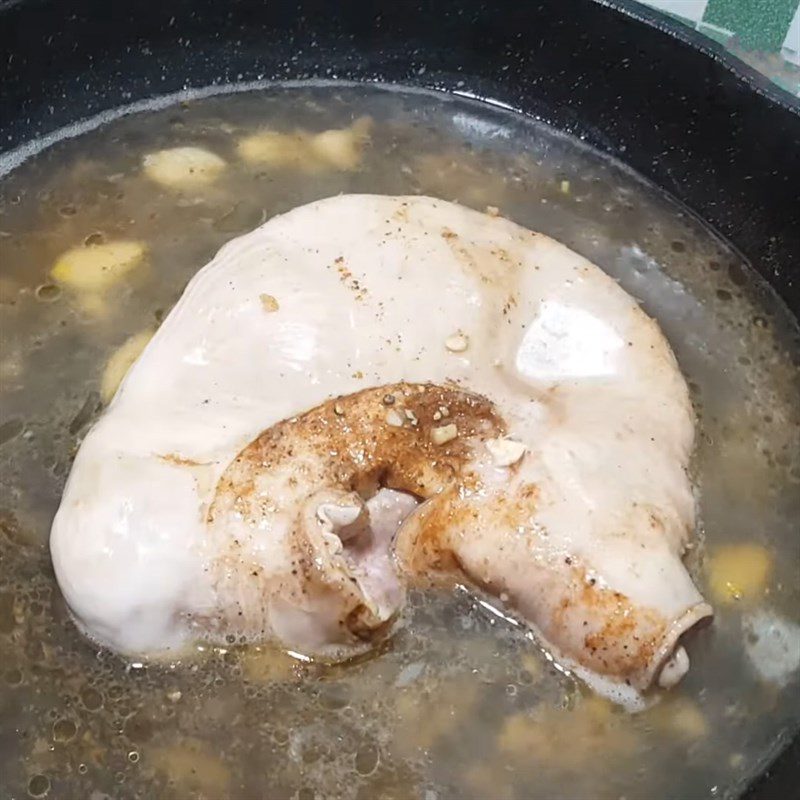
(755, 31)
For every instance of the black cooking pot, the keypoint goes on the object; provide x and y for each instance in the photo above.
(674, 106)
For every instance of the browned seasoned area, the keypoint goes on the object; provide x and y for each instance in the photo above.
(410, 437)
(617, 637)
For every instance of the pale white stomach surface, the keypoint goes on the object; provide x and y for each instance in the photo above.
(368, 291)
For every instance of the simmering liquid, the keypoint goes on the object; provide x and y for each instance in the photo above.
(461, 703)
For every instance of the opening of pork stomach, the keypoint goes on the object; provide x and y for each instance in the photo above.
(299, 555)
(573, 506)
(324, 587)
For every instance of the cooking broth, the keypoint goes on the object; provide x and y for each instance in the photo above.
(461, 702)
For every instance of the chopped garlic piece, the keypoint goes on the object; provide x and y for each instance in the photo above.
(493, 211)
(97, 267)
(395, 418)
(338, 149)
(457, 343)
(333, 149)
(505, 452)
(682, 717)
(269, 303)
(122, 359)
(341, 149)
(739, 572)
(444, 434)
(274, 149)
(183, 167)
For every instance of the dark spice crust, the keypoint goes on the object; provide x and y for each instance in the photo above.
(347, 442)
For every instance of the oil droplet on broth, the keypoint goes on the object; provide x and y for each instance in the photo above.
(469, 691)
(366, 759)
(64, 730)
